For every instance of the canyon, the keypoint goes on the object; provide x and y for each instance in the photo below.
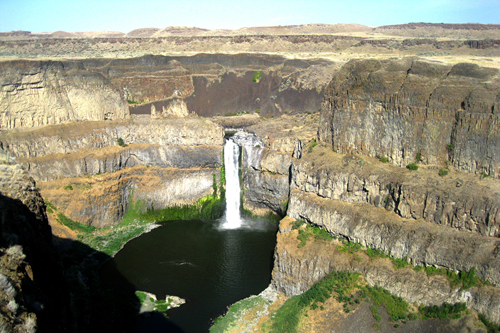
(325, 139)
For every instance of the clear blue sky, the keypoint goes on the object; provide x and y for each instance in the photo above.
(126, 15)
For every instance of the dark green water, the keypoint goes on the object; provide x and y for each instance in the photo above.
(208, 266)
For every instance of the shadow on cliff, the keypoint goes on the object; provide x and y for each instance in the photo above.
(31, 263)
(103, 305)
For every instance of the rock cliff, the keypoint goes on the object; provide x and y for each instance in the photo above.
(458, 200)
(90, 178)
(297, 269)
(397, 108)
(36, 93)
(34, 295)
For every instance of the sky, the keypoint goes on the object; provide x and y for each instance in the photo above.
(127, 15)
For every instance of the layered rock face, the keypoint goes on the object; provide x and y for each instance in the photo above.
(398, 108)
(473, 206)
(297, 269)
(36, 93)
(34, 296)
(90, 178)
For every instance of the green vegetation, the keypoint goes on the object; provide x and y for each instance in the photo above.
(50, 207)
(443, 311)
(383, 159)
(374, 253)
(464, 279)
(207, 208)
(418, 157)
(396, 307)
(490, 326)
(310, 231)
(400, 263)
(68, 187)
(112, 241)
(61, 218)
(121, 143)
(232, 114)
(287, 318)
(151, 304)
(234, 312)
(484, 174)
(443, 172)
(349, 247)
(257, 76)
(449, 147)
(311, 145)
(412, 166)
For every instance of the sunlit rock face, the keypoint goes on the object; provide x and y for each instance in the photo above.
(398, 108)
(37, 93)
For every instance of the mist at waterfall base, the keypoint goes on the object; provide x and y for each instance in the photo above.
(211, 264)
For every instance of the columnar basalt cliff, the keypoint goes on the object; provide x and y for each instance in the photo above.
(297, 269)
(474, 205)
(398, 108)
(36, 93)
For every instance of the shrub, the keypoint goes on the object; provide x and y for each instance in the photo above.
(68, 187)
(490, 326)
(349, 247)
(256, 77)
(418, 157)
(445, 310)
(484, 174)
(412, 166)
(443, 172)
(121, 143)
(61, 218)
(449, 147)
(383, 159)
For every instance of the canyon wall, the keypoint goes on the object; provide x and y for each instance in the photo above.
(398, 108)
(43, 92)
(83, 171)
(37, 93)
(296, 269)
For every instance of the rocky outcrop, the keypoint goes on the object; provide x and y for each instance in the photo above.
(265, 174)
(297, 269)
(36, 93)
(422, 243)
(398, 108)
(459, 200)
(34, 295)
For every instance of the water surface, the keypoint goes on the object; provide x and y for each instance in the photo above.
(209, 266)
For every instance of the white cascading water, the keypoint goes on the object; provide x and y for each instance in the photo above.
(231, 162)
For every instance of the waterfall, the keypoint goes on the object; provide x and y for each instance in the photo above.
(231, 162)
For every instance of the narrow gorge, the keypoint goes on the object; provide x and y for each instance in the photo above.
(394, 156)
